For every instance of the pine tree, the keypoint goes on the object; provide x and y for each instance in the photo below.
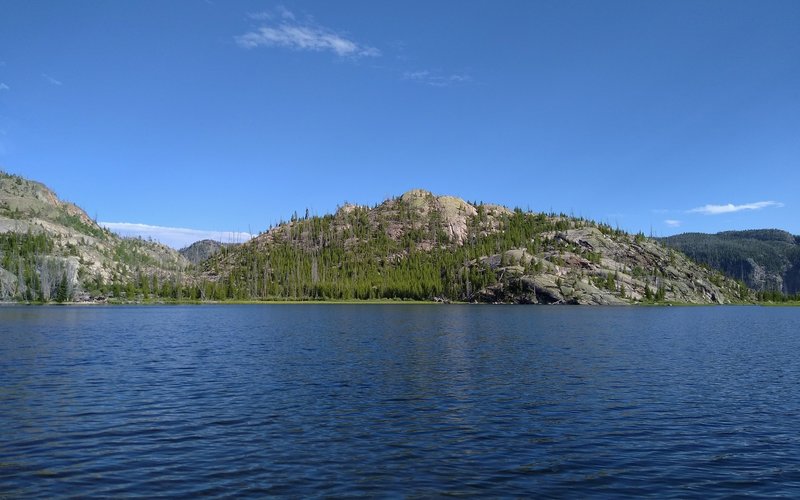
(62, 290)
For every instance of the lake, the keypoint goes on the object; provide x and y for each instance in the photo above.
(399, 400)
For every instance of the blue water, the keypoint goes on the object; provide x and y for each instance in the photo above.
(409, 400)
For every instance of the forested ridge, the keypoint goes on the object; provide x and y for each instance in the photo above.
(417, 246)
(351, 255)
(423, 247)
(768, 260)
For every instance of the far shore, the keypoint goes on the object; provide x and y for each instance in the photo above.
(365, 302)
(223, 302)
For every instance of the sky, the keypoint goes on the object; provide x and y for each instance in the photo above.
(188, 119)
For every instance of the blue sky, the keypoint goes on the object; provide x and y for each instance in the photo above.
(217, 116)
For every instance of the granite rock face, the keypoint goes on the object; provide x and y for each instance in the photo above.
(621, 269)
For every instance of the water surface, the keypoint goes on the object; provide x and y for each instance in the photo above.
(413, 400)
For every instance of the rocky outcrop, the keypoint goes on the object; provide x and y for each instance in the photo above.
(587, 266)
(448, 212)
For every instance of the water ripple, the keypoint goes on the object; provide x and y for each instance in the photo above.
(418, 401)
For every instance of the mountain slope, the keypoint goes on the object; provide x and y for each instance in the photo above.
(421, 246)
(766, 259)
(202, 250)
(52, 250)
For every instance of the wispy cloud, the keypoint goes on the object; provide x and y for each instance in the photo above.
(3, 86)
(51, 80)
(175, 237)
(731, 208)
(673, 223)
(280, 28)
(279, 12)
(435, 78)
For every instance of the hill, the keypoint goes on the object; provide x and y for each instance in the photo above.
(52, 250)
(202, 250)
(416, 246)
(767, 259)
(421, 246)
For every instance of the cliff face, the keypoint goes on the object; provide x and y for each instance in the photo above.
(765, 259)
(423, 246)
(52, 249)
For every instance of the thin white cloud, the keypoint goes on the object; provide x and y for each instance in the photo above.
(3, 86)
(673, 223)
(51, 80)
(284, 12)
(731, 208)
(435, 78)
(281, 29)
(175, 237)
(268, 15)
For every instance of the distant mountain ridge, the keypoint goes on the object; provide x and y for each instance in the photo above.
(765, 259)
(202, 250)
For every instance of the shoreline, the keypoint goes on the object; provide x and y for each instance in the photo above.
(376, 302)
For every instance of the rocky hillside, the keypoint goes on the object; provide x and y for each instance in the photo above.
(421, 246)
(416, 246)
(202, 250)
(765, 259)
(52, 250)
